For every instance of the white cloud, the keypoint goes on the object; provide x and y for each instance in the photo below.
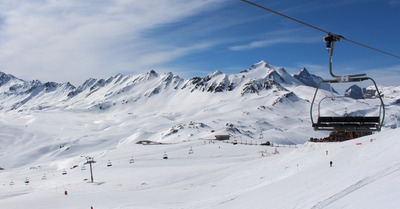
(71, 40)
(394, 3)
(271, 42)
(385, 76)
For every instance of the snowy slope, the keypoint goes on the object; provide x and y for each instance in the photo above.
(47, 128)
(365, 174)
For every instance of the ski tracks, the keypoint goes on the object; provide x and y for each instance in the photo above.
(356, 186)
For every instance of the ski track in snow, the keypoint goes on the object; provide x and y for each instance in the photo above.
(368, 180)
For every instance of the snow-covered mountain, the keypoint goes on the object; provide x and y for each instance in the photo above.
(20, 95)
(312, 80)
(355, 92)
(46, 128)
(259, 99)
(246, 104)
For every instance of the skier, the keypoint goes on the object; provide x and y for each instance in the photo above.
(330, 163)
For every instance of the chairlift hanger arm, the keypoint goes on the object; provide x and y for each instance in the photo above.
(330, 45)
(319, 29)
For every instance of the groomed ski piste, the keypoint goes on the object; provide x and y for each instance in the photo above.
(365, 174)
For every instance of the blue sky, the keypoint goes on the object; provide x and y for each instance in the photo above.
(73, 40)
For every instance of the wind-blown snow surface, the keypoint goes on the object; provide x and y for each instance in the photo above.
(46, 128)
(365, 174)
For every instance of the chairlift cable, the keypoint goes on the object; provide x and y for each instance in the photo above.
(387, 53)
(319, 29)
(275, 12)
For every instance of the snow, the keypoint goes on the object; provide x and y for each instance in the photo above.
(37, 142)
(365, 172)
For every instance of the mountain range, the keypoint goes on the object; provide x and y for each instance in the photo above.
(20, 95)
(262, 100)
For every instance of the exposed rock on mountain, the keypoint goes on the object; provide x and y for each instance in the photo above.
(355, 92)
(311, 80)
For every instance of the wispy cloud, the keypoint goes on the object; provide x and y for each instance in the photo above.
(272, 41)
(320, 70)
(79, 39)
(394, 3)
(385, 76)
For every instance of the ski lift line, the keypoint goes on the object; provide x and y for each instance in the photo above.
(319, 29)
(280, 14)
(360, 44)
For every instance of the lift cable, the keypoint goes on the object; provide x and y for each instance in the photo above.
(338, 37)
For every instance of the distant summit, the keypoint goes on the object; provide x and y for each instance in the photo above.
(311, 80)
(355, 92)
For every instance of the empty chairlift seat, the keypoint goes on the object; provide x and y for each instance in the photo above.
(361, 123)
(355, 123)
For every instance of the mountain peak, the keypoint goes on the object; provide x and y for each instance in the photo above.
(5, 78)
(311, 80)
(214, 74)
(355, 92)
(151, 74)
(304, 72)
(260, 64)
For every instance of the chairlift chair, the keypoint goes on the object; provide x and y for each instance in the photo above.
(109, 164)
(346, 122)
(261, 135)
(131, 161)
